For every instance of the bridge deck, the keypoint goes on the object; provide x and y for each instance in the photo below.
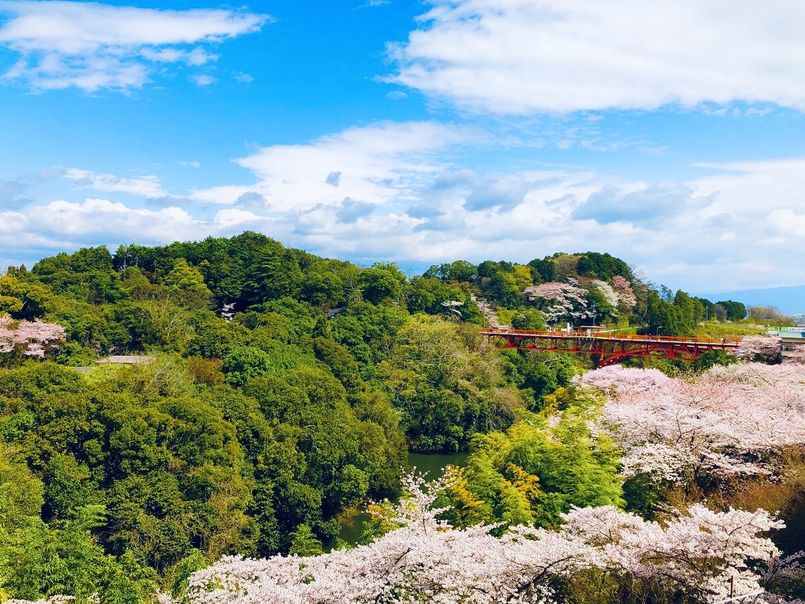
(610, 347)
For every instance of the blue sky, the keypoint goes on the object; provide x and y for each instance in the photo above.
(669, 134)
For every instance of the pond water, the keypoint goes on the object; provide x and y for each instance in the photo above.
(429, 464)
(792, 538)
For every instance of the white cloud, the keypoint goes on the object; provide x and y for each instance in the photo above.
(203, 80)
(197, 56)
(383, 163)
(234, 217)
(520, 56)
(95, 46)
(101, 217)
(67, 225)
(12, 222)
(706, 234)
(388, 192)
(146, 186)
(397, 198)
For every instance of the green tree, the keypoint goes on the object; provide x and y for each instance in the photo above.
(446, 383)
(381, 283)
(544, 465)
(186, 285)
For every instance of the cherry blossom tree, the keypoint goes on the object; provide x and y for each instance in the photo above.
(703, 553)
(760, 349)
(607, 291)
(728, 421)
(623, 289)
(32, 338)
(560, 301)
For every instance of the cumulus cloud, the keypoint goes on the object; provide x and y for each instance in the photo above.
(351, 210)
(94, 46)
(383, 163)
(96, 217)
(521, 57)
(67, 225)
(640, 204)
(400, 197)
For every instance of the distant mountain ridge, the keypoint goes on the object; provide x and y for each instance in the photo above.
(789, 300)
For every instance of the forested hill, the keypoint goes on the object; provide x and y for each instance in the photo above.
(282, 390)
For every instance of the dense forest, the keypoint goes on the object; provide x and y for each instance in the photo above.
(271, 392)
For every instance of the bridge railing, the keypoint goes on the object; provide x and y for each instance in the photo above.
(605, 336)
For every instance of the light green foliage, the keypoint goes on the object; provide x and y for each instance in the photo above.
(138, 286)
(246, 362)
(340, 362)
(528, 318)
(186, 285)
(304, 542)
(21, 493)
(40, 560)
(215, 338)
(195, 560)
(23, 299)
(541, 466)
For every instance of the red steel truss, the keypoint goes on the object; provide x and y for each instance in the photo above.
(611, 347)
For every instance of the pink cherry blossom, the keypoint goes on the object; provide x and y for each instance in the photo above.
(565, 301)
(32, 337)
(729, 420)
(623, 289)
(425, 560)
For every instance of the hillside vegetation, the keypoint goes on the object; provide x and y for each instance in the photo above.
(281, 390)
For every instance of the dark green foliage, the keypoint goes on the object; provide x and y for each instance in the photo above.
(675, 317)
(602, 266)
(87, 275)
(544, 269)
(712, 357)
(459, 271)
(283, 388)
(538, 373)
(735, 310)
(142, 468)
(447, 385)
(498, 280)
(381, 283)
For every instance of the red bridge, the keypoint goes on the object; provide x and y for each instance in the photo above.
(611, 347)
